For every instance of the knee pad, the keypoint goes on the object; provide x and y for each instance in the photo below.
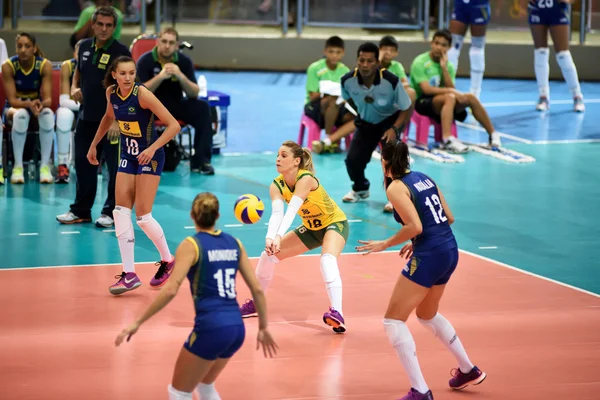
(541, 56)
(175, 394)
(329, 269)
(478, 42)
(123, 224)
(397, 331)
(440, 327)
(564, 59)
(46, 120)
(64, 119)
(150, 226)
(457, 42)
(20, 122)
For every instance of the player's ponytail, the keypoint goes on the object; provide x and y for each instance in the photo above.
(205, 210)
(396, 159)
(38, 52)
(108, 77)
(303, 154)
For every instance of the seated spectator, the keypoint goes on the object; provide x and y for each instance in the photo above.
(167, 72)
(323, 90)
(432, 77)
(83, 28)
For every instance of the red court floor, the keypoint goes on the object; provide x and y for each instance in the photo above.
(534, 338)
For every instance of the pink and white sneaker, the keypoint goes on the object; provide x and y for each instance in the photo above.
(127, 281)
(163, 273)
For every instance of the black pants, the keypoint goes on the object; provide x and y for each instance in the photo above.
(365, 140)
(87, 174)
(196, 112)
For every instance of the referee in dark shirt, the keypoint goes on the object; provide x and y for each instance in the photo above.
(168, 73)
(95, 56)
(383, 109)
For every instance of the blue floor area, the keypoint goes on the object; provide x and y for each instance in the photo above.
(541, 217)
(266, 106)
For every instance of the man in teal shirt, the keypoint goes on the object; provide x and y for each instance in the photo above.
(83, 28)
(323, 107)
(432, 77)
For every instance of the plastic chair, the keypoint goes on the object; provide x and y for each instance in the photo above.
(314, 132)
(422, 124)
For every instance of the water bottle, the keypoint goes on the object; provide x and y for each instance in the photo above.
(202, 84)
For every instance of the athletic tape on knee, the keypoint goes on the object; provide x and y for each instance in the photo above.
(477, 58)
(397, 331)
(20, 122)
(123, 224)
(478, 42)
(46, 120)
(150, 226)
(330, 270)
(440, 327)
(64, 120)
(175, 394)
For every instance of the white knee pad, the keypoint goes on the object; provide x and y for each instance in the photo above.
(64, 119)
(477, 58)
(440, 327)
(478, 42)
(397, 331)
(541, 57)
(457, 42)
(123, 224)
(330, 270)
(20, 122)
(175, 394)
(150, 226)
(46, 120)
(564, 59)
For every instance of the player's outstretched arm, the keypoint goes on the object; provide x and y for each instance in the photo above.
(185, 257)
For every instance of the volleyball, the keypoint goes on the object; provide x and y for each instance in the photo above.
(248, 209)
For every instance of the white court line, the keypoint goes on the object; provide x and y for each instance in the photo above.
(238, 154)
(354, 220)
(488, 247)
(502, 134)
(70, 233)
(189, 227)
(29, 234)
(108, 230)
(352, 253)
(233, 225)
(533, 103)
(567, 141)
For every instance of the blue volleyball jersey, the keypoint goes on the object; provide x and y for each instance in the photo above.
(72, 64)
(28, 83)
(136, 124)
(213, 278)
(436, 234)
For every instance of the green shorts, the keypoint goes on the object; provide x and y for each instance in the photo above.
(314, 239)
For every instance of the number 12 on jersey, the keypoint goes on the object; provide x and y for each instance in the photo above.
(438, 215)
(226, 282)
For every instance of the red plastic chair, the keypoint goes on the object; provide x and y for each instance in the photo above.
(422, 124)
(314, 132)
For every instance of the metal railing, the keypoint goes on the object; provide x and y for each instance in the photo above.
(390, 15)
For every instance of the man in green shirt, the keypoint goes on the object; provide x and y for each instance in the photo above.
(432, 77)
(323, 89)
(83, 28)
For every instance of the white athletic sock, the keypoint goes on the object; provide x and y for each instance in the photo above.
(404, 344)
(265, 270)
(175, 394)
(154, 231)
(207, 392)
(64, 124)
(125, 234)
(333, 281)
(569, 71)
(542, 71)
(46, 132)
(443, 330)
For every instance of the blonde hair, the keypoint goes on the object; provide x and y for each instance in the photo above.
(205, 210)
(303, 154)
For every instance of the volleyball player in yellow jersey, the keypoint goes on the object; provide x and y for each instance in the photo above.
(324, 225)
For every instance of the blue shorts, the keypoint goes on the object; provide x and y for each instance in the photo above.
(130, 165)
(432, 269)
(216, 343)
(472, 15)
(548, 16)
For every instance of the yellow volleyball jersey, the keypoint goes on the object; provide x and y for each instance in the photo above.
(319, 210)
